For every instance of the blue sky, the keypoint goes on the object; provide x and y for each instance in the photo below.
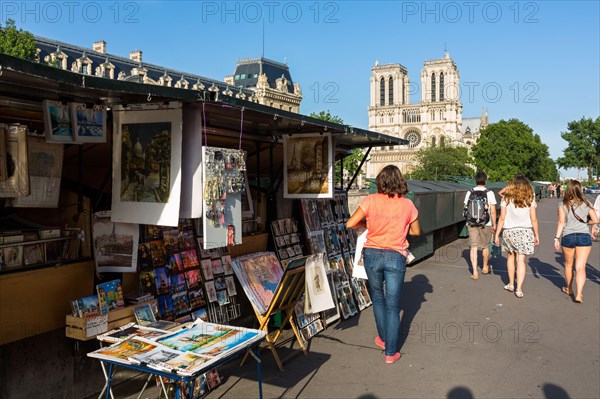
(538, 61)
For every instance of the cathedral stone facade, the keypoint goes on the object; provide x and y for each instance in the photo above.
(436, 120)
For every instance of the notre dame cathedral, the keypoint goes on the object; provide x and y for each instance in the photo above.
(436, 120)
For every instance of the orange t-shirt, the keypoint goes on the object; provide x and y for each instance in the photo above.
(388, 220)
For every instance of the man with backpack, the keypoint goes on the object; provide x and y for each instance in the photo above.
(480, 213)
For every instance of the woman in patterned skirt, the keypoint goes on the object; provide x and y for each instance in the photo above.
(519, 227)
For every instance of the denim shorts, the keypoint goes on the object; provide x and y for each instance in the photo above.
(576, 240)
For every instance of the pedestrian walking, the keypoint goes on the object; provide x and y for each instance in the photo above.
(597, 209)
(575, 215)
(480, 212)
(557, 190)
(390, 217)
(519, 227)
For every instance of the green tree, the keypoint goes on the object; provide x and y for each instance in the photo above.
(16, 42)
(351, 161)
(437, 163)
(510, 147)
(583, 149)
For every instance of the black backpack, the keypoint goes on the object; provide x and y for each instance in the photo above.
(477, 211)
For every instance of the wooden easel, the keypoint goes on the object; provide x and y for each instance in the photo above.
(288, 292)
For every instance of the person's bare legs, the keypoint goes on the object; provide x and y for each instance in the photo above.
(485, 254)
(568, 254)
(510, 268)
(581, 257)
(521, 269)
(473, 255)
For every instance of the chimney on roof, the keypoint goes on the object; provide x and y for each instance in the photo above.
(136, 56)
(99, 46)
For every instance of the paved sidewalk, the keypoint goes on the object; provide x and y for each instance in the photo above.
(461, 338)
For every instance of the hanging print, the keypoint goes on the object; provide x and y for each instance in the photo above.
(308, 166)
(89, 123)
(147, 164)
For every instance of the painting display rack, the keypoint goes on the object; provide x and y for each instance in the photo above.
(289, 291)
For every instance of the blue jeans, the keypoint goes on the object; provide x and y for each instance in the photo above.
(574, 240)
(385, 269)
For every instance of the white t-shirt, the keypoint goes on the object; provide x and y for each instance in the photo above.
(517, 217)
(490, 197)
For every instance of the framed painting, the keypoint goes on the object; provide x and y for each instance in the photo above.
(17, 169)
(89, 123)
(147, 164)
(45, 170)
(308, 166)
(57, 122)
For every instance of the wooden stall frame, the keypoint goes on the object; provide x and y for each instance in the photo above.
(288, 292)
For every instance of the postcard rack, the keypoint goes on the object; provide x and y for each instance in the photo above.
(289, 291)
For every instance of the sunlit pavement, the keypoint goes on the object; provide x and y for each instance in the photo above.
(461, 338)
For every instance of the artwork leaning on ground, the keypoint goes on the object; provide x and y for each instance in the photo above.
(308, 166)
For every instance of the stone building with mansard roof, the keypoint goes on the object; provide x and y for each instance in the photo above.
(270, 81)
(264, 81)
(436, 119)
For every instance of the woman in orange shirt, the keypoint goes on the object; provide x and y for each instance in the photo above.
(390, 217)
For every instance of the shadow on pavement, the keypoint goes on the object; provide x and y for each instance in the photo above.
(413, 296)
(460, 393)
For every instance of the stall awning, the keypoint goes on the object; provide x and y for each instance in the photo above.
(25, 84)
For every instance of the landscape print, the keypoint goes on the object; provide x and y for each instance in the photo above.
(89, 123)
(115, 244)
(146, 162)
(308, 161)
(57, 118)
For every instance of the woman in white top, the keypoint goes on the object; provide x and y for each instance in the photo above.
(575, 215)
(518, 218)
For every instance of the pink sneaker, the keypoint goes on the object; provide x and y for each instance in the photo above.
(392, 359)
(379, 342)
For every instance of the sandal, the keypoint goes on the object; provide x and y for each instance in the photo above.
(579, 299)
(486, 270)
(566, 291)
(519, 294)
(474, 277)
(509, 288)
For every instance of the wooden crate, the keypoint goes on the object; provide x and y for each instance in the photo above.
(76, 326)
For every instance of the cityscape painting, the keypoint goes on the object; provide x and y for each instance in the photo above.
(308, 166)
(57, 122)
(89, 123)
(147, 164)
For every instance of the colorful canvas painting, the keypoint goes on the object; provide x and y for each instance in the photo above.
(88, 306)
(259, 274)
(110, 296)
(186, 363)
(144, 314)
(209, 339)
(122, 351)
